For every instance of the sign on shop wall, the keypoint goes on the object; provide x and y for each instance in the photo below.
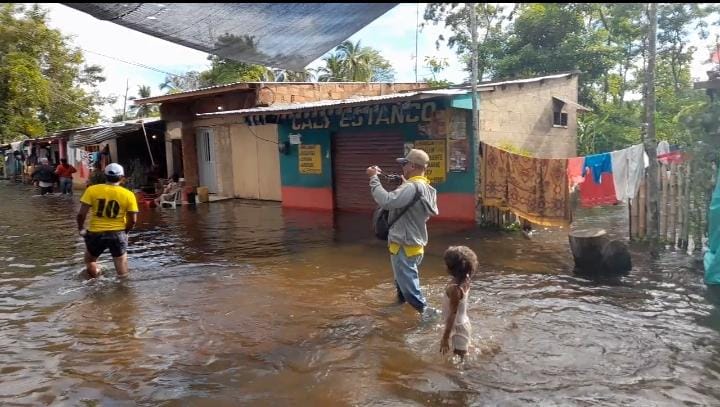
(458, 143)
(310, 159)
(437, 168)
(376, 115)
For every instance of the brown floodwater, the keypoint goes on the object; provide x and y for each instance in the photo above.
(246, 303)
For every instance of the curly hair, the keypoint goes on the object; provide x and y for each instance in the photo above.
(461, 262)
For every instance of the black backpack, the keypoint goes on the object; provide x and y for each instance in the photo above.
(380, 217)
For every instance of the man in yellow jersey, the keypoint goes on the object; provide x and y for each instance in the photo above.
(113, 214)
(408, 235)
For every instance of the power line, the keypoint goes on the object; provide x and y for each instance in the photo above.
(134, 63)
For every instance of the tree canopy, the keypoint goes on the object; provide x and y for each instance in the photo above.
(45, 84)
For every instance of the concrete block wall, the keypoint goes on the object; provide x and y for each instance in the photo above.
(310, 92)
(521, 115)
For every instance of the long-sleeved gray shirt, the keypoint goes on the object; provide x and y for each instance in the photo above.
(410, 229)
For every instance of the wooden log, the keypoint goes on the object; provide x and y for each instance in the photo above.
(672, 222)
(586, 246)
(615, 259)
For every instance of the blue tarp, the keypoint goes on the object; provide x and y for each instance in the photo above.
(712, 256)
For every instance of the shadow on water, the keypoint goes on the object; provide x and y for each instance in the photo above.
(242, 302)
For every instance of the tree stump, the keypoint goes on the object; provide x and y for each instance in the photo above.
(587, 246)
(616, 258)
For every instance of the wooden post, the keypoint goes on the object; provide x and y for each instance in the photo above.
(661, 202)
(642, 217)
(635, 215)
(665, 200)
(673, 203)
(650, 141)
(685, 231)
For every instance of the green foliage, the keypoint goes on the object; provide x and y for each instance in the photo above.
(44, 84)
(148, 110)
(351, 62)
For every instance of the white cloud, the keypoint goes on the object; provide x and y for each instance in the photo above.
(125, 44)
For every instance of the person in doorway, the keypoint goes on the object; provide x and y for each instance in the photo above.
(408, 234)
(461, 263)
(170, 189)
(65, 172)
(44, 175)
(114, 214)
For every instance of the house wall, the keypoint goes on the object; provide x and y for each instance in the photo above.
(257, 173)
(181, 118)
(456, 196)
(309, 92)
(521, 116)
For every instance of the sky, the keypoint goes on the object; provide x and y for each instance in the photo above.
(107, 44)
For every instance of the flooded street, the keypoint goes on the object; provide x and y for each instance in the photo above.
(241, 302)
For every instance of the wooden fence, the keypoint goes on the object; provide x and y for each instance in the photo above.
(679, 215)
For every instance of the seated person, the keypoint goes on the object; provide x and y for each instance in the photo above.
(170, 189)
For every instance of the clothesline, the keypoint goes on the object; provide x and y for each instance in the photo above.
(538, 188)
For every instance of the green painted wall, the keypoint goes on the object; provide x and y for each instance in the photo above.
(458, 182)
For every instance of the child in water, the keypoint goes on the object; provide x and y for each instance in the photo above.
(461, 264)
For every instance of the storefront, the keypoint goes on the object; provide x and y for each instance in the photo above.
(324, 153)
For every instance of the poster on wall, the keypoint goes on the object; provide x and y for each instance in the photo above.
(437, 127)
(458, 143)
(436, 172)
(310, 159)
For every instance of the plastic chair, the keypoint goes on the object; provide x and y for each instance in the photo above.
(176, 198)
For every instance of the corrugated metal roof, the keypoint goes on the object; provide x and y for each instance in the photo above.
(320, 104)
(526, 80)
(279, 35)
(104, 132)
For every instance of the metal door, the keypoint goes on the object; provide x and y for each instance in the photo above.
(206, 159)
(352, 154)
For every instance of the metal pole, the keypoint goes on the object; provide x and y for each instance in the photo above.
(417, 23)
(127, 87)
(152, 160)
(473, 86)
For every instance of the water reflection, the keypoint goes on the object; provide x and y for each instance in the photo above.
(242, 302)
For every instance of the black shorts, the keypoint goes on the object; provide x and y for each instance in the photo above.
(97, 242)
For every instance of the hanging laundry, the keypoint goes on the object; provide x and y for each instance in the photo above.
(574, 171)
(627, 170)
(677, 157)
(494, 176)
(600, 163)
(533, 188)
(597, 194)
(663, 147)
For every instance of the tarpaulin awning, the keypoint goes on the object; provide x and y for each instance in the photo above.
(279, 35)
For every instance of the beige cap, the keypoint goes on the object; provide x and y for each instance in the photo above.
(415, 156)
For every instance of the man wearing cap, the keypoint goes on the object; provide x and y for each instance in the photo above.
(114, 213)
(408, 235)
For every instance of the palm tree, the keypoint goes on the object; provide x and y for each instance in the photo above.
(334, 69)
(145, 110)
(357, 60)
(178, 83)
(354, 63)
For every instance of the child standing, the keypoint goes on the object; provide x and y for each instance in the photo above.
(461, 264)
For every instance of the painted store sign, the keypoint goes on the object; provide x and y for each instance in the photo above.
(376, 115)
